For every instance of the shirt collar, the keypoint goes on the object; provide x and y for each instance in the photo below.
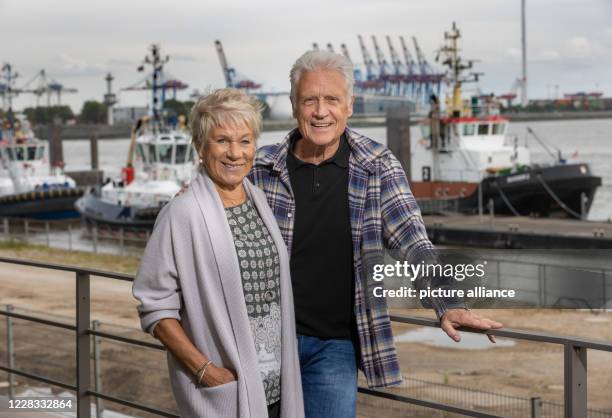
(340, 157)
(363, 149)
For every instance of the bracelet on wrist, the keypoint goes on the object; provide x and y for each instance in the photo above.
(202, 371)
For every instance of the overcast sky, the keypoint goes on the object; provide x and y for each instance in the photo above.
(78, 42)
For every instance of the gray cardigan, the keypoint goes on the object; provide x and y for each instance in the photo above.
(190, 272)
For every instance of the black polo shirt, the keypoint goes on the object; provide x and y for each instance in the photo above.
(322, 249)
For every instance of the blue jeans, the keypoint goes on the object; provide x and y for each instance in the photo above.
(329, 377)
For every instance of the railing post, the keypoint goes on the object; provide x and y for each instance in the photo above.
(97, 369)
(584, 200)
(480, 204)
(47, 233)
(83, 346)
(5, 229)
(536, 407)
(121, 243)
(26, 229)
(10, 353)
(69, 237)
(575, 381)
(94, 231)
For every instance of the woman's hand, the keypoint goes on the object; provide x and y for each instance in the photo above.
(216, 376)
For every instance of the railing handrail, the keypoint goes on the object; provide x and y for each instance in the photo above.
(73, 269)
(528, 335)
(574, 349)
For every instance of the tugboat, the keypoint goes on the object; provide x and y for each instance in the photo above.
(165, 161)
(466, 160)
(29, 187)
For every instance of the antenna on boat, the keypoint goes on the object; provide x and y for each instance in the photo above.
(449, 56)
(157, 62)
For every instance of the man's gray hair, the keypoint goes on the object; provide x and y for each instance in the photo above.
(321, 60)
(223, 108)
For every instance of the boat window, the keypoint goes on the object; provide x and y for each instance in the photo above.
(152, 154)
(142, 152)
(165, 153)
(192, 153)
(498, 128)
(31, 152)
(19, 153)
(483, 129)
(425, 131)
(181, 153)
(40, 152)
(469, 129)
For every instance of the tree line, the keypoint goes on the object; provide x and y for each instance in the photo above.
(91, 112)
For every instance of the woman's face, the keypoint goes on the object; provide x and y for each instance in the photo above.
(228, 155)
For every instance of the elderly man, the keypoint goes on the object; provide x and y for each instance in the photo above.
(335, 194)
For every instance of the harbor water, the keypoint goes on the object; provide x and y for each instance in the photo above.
(588, 141)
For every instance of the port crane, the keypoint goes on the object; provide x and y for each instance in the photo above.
(356, 71)
(396, 82)
(383, 65)
(429, 81)
(44, 85)
(372, 83)
(232, 78)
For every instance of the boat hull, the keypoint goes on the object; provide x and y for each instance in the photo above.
(55, 203)
(540, 191)
(95, 211)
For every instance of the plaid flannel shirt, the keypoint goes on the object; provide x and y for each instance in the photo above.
(383, 214)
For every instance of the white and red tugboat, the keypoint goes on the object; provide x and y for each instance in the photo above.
(467, 160)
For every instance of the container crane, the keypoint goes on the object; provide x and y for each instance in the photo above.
(380, 58)
(408, 61)
(509, 97)
(367, 60)
(428, 80)
(315, 46)
(412, 78)
(232, 79)
(330, 48)
(356, 71)
(396, 81)
(43, 85)
(345, 52)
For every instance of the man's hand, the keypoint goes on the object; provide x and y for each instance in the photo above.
(455, 318)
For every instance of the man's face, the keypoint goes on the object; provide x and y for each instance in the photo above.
(322, 106)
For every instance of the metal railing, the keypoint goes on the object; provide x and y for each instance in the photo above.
(574, 363)
(66, 235)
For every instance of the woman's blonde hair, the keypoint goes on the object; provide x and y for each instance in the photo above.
(223, 107)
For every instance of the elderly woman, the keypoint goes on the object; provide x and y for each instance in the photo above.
(214, 283)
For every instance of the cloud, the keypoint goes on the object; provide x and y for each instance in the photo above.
(513, 53)
(68, 66)
(186, 58)
(548, 55)
(581, 47)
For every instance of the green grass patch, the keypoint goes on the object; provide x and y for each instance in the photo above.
(120, 264)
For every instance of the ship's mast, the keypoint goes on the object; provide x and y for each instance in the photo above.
(451, 58)
(524, 98)
(7, 88)
(157, 62)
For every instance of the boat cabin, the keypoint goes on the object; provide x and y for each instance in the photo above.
(170, 148)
